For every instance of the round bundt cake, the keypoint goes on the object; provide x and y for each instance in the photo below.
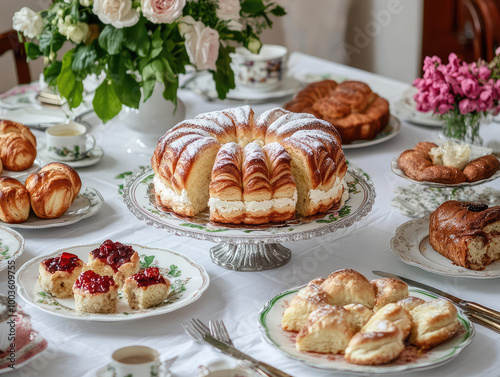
(250, 170)
(351, 107)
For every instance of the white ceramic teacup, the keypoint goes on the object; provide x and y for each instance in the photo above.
(262, 71)
(68, 141)
(135, 361)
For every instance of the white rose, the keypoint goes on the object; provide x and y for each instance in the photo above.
(202, 43)
(85, 3)
(78, 32)
(229, 10)
(27, 22)
(63, 24)
(118, 13)
(162, 11)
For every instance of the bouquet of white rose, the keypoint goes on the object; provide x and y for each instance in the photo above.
(138, 43)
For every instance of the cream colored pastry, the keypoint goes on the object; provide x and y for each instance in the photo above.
(388, 290)
(56, 278)
(349, 287)
(410, 303)
(393, 313)
(95, 294)
(359, 315)
(146, 289)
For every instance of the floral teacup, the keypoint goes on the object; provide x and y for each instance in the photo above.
(68, 141)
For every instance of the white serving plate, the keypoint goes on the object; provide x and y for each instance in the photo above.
(186, 275)
(270, 326)
(22, 175)
(390, 130)
(11, 246)
(411, 245)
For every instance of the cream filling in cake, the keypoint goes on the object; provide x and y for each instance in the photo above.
(168, 195)
(318, 195)
(252, 206)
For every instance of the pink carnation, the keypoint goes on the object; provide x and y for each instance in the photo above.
(484, 73)
(470, 87)
(467, 106)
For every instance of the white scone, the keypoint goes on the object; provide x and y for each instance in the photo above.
(95, 293)
(328, 330)
(393, 313)
(359, 315)
(349, 287)
(57, 275)
(388, 290)
(381, 345)
(146, 289)
(410, 302)
(433, 323)
(307, 300)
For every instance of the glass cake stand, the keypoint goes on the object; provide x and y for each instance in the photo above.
(248, 247)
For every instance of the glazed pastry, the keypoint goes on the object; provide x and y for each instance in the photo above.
(434, 322)
(53, 189)
(114, 259)
(358, 314)
(388, 290)
(393, 313)
(349, 287)
(17, 146)
(57, 275)
(481, 168)
(466, 233)
(8, 126)
(146, 289)
(410, 303)
(95, 293)
(14, 201)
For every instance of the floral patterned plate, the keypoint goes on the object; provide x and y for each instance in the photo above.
(411, 245)
(88, 202)
(390, 130)
(22, 175)
(270, 326)
(11, 246)
(189, 280)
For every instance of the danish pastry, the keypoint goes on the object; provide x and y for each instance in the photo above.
(14, 201)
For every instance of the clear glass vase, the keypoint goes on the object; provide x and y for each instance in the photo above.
(464, 127)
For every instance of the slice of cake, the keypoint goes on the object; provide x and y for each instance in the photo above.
(57, 275)
(114, 259)
(146, 289)
(95, 293)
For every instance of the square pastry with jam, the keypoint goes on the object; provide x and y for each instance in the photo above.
(95, 293)
(146, 289)
(57, 275)
(114, 259)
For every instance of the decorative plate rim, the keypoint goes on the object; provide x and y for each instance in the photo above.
(113, 317)
(419, 233)
(396, 129)
(90, 212)
(18, 252)
(364, 369)
(98, 155)
(363, 210)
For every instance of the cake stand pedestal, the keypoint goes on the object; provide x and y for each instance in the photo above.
(248, 247)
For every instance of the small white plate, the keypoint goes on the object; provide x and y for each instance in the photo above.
(22, 175)
(270, 326)
(411, 245)
(93, 158)
(406, 108)
(104, 372)
(11, 246)
(391, 130)
(88, 202)
(309, 78)
(189, 280)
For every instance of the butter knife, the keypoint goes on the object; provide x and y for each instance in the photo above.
(231, 351)
(464, 304)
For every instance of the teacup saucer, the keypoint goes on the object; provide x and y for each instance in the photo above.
(92, 158)
(103, 372)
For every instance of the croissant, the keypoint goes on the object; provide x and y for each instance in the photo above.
(7, 126)
(17, 146)
(14, 201)
(53, 189)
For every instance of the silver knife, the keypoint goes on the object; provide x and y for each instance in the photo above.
(231, 351)
(467, 305)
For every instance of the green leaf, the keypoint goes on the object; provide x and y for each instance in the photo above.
(137, 39)
(170, 92)
(50, 41)
(278, 11)
(148, 260)
(224, 76)
(106, 103)
(67, 83)
(128, 90)
(84, 60)
(32, 51)
(111, 39)
(51, 72)
(148, 81)
(252, 6)
(123, 175)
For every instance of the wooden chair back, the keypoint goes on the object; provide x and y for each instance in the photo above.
(9, 41)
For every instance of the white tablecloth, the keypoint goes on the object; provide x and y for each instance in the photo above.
(78, 348)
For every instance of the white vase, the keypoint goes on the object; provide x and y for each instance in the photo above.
(153, 118)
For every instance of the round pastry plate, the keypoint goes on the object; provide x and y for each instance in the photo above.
(88, 202)
(22, 175)
(93, 158)
(270, 325)
(189, 280)
(140, 199)
(411, 245)
(11, 246)
(396, 170)
(391, 130)
(406, 108)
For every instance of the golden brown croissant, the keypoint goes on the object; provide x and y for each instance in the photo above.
(53, 189)
(7, 126)
(16, 151)
(14, 201)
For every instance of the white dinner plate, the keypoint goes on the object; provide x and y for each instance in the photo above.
(390, 130)
(93, 158)
(406, 108)
(88, 202)
(411, 245)
(22, 175)
(189, 280)
(270, 325)
(11, 246)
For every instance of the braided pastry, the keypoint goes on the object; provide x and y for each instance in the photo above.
(17, 146)
(53, 189)
(14, 201)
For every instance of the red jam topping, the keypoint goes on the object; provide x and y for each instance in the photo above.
(113, 253)
(64, 262)
(94, 283)
(149, 276)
